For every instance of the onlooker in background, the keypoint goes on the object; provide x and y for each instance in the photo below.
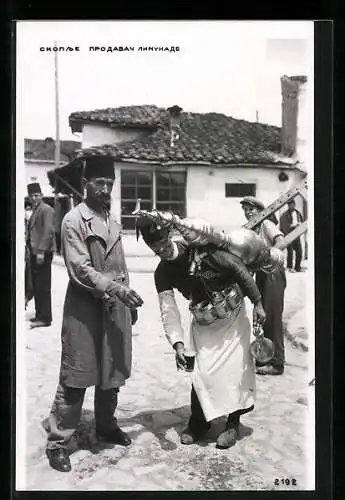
(272, 288)
(57, 224)
(289, 220)
(41, 245)
(273, 218)
(29, 293)
(27, 215)
(99, 310)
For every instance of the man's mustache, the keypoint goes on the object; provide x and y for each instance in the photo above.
(106, 201)
(104, 197)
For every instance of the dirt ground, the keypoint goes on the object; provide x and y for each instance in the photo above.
(154, 408)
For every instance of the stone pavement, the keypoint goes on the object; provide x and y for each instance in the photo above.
(154, 408)
(295, 318)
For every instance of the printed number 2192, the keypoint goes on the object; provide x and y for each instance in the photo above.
(286, 482)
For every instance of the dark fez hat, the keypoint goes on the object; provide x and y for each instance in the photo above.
(99, 166)
(33, 188)
(149, 231)
(253, 202)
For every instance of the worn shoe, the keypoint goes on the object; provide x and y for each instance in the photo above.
(270, 370)
(227, 438)
(59, 459)
(39, 324)
(190, 437)
(114, 436)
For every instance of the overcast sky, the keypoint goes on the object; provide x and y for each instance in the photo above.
(222, 66)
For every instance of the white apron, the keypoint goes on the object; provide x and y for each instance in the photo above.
(224, 372)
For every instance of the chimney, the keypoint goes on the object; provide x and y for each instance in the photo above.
(291, 89)
(175, 118)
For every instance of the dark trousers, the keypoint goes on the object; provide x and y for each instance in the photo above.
(41, 281)
(272, 288)
(29, 291)
(58, 242)
(66, 411)
(296, 247)
(198, 423)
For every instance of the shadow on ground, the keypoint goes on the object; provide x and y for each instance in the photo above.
(157, 422)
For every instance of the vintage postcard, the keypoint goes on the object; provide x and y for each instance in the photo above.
(165, 256)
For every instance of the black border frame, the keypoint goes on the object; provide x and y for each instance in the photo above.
(323, 84)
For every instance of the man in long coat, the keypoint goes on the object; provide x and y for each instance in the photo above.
(98, 312)
(41, 247)
(29, 289)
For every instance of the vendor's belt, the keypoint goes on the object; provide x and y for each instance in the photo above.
(219, 306)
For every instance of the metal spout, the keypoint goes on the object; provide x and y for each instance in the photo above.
(137, 206)
(192, 231)
(241, 242)
(162, 219)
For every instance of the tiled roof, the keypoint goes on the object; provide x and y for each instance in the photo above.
(44, 149)
(145, 116)
(209, 138)
(298, 78)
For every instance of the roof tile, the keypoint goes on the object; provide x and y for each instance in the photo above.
(44, 149)
(211, 137)
(124, 116)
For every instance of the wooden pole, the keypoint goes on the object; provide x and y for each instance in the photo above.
(67, 184)
(296, 233)
(278, 203)
(57, 116)
(57, 137)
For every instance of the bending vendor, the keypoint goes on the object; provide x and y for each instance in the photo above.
(215, 282)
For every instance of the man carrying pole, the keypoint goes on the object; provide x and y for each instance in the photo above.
(215, 281)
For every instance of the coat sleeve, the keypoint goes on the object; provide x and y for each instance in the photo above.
(78, 262)
(271, 232)
(47, 236)
(170, 315)
(238, 271)
(285, 225)
(300, 216)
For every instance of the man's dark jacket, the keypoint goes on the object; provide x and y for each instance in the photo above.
(41, 237)
(285, 221)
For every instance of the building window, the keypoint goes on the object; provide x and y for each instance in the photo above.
(162, 190)
(135, 184)
(240, 190)
(171, 192)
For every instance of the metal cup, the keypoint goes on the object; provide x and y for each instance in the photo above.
(222, 308)
(262, 349)
(203, 313)
(190, 360)
(233, 298)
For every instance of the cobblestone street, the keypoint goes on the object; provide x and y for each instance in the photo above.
(154, 408)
